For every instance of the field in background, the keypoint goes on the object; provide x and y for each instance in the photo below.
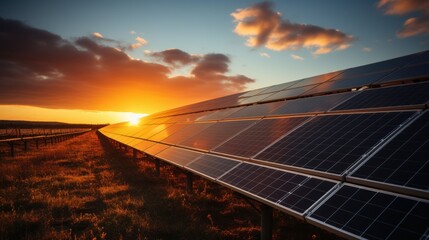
(83, 188)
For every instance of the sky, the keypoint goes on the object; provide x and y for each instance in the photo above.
(100, 61)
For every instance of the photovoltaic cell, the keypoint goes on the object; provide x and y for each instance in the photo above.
(288, 93)
(258, 110)
(404, 161)
(374, 215)
(170, 130)
(219, 114)
(312, 104)
(253, 99)
(409, 72)
(178, 156)
(411, 94)
(257, 137)
(293, 191)
(306, 194)
(155, 149)
(212, 166)
(332, 143)
(215, 134)
(314, 80)
(278, 87)
(186, 132)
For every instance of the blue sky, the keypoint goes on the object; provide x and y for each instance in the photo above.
(200, 28)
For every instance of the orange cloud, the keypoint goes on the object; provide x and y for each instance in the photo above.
(97, 35)
(39, 68)
(412, 26)
(140, 42)
(264, 27)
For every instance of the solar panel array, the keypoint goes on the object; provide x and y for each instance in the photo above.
(346, 151)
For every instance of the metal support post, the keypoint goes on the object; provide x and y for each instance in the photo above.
(266, 222)
(189, 182)
(157, 170)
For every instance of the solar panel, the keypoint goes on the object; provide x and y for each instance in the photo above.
(178, 156)
(254, 99)
(404, 161)
(289, 93)
(155, 149)
(215, 134)
(219, 114)
(332, 143)
(347, 151)
(212, 166)
(370, 214)
(290, 190)
(151, 130)
(414, 71)
(311, 105)
(185, 132)
(170, 130)
(257, 137)
(315, 80)
(403, 95)
(278, 87)
(362, 76)
(143, 145)
(257, 110)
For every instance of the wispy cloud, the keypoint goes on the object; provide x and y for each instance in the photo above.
(97, 35)
(266, 55)
(43, 69)
(412, 26)
(140, 42)
(367, 49)
(264, 27)
(296, 57)
(132, 32)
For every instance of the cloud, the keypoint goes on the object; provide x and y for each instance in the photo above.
(266, 55)
(264, 27)
(140, 42)
(367, 49)
(132, 32)
(296, 57)
(175, 57)
(412, 26)
(97, 35)
(39, 68)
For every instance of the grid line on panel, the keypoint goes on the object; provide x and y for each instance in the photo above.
(264, 182)
(404, 160)
(257, 137)
(215, 134)
(212, 166)
(332, 143)
(179, 156)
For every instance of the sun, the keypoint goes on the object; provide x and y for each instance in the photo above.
(133, 119)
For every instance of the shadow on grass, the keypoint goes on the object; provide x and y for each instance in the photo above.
(169, 218)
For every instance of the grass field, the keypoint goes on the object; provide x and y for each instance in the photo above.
(83, 188)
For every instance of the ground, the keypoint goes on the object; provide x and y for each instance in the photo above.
(84, 188)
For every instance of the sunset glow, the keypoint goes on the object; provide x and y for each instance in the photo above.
(145, 57)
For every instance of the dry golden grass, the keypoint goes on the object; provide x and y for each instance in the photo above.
(85, 189)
